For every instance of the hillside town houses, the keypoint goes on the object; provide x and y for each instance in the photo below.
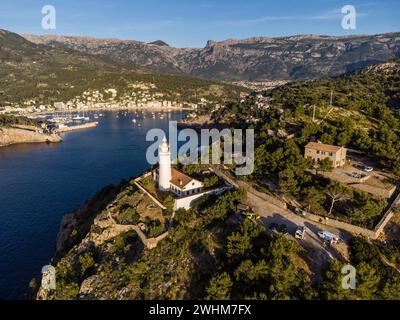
(142, 95)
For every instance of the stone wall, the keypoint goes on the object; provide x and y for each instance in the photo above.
(373, 234)
(248, 188)
(150, 195)
(380, 192)
(353, 229)
(151, 243)
(386, 218)
(356, 230)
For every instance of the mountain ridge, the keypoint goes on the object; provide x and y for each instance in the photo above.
(253, 59)
(289, 37)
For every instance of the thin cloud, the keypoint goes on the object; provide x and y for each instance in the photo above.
(271, 18)
(335, 15)
(329, 15)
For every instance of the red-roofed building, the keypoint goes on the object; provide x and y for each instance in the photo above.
(181, 184)
(318, 151)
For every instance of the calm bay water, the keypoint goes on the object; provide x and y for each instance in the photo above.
(39, 183)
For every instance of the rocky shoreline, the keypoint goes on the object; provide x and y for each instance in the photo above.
(82, 229)
(11, 136)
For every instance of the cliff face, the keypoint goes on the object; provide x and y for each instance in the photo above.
(9, 136)
(254, 59)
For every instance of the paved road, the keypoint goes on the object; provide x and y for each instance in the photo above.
(319, 252)
(275, 214)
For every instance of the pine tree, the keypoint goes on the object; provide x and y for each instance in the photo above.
(219, 287)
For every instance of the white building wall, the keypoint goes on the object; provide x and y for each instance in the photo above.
(185, 202)
(194, 184)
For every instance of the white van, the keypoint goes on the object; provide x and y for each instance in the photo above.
(327, 236)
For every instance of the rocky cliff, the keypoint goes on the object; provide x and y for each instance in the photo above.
(9, 136)
(254, 59)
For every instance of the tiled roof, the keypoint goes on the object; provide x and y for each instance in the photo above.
(323, 147)
(179, 179)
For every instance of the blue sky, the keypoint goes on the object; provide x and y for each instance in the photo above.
(188, 23)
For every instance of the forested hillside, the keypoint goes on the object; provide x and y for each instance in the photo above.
(48, 74)
(6, 121)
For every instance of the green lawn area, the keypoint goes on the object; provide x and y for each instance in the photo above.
(151, 186)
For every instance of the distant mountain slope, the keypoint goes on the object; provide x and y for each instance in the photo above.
(254, 59)
(48, 74)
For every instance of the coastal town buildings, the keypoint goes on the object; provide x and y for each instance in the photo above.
(140, 96)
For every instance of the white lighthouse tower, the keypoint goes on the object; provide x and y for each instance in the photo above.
(164, 160)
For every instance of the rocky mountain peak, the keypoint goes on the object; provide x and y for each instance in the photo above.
(252, 59)
(160, 43)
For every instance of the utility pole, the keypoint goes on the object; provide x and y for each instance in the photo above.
(313, 117)
(331, 98)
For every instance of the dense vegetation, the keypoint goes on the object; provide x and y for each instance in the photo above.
(375, 280)
(214, 253)
(6, 121)
(207, 256)
(370, 91)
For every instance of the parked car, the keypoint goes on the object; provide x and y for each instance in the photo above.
(356, 175)
(242, 207)
(300, 233)
(368, 169)
(283, 229)
(252, 216)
